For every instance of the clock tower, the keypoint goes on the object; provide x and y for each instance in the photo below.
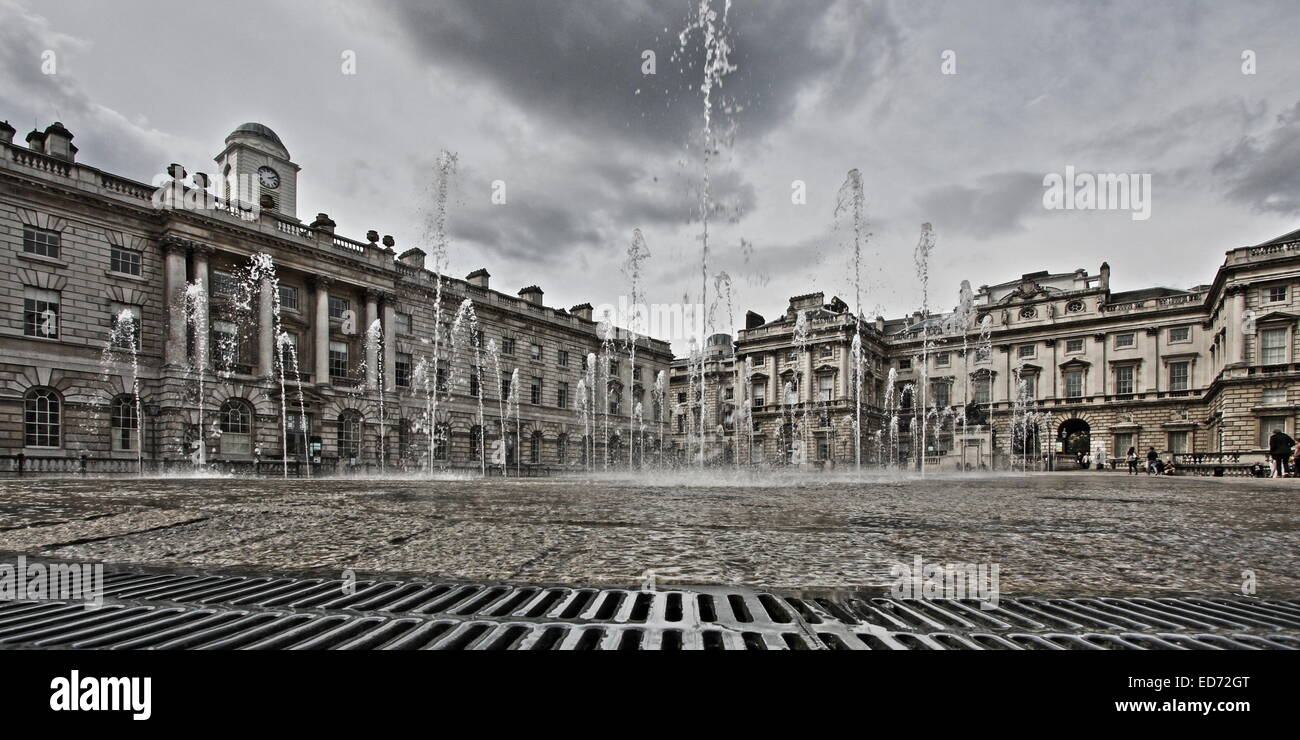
(255, 168)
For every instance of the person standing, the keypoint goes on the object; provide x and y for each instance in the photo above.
(1132, 458)
(1151, 461)
(1279, 449)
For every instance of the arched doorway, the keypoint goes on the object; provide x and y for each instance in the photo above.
(1075, 437)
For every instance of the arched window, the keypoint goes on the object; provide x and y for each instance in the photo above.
(42, 420)
(535, 448)
(236, 428)
(124, 423)
(349, 434)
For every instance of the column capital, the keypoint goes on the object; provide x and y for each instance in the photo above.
(170, 244)
(321, 281)
(389, 298)
(202, 250)
(373, 294)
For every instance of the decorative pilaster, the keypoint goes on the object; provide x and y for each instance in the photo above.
(321, 327)
(174, 250)
(372, 352)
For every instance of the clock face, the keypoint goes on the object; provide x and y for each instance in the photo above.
(268, 177)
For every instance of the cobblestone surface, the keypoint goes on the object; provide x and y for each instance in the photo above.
(1050, 534)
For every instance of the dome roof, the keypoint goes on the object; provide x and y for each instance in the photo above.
(257, 130)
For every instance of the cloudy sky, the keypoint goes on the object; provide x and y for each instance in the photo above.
(549, 97)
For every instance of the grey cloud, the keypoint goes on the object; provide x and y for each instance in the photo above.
(581, 68)
(1263, 170)
(996, 205)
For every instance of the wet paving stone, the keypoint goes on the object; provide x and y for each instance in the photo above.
(1050, 534)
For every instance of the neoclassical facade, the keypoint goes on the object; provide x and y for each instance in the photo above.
(350, 325)
(1048, 363)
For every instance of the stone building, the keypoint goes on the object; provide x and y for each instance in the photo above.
(350, 325)
(1032, 372)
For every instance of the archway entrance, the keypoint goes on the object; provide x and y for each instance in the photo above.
(1075, 437)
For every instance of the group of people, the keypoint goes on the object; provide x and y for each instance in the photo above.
(1154, 465)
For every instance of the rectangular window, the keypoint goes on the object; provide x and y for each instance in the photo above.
(613, 368)
(338, 359)
(1266, 426)
(473, 382)
(289, 353)
(904, 364)
(1125, 340)
(225, 344)
(564, 358)
(535, 392)
(505, 386)
(1027, 387)
(289, 297)
(983, 390)
(1178, 376)
(792, 356)
(41, 313)
(1123, 441)
(1074, 384)
(1124, 379)
(1178, 442)
(299, 432)
(402, 370)
(760, 360)
(982, 354)
(507, 346)
(1025, 350)
(402, 323)
(338, 307)
(827, 350)
(223, 283)
(41, 241)
(1180, 334)
(1277, 295)
(942, 359)
(121, 339)
(440, 380)
(939, 392)
(728, 394)
(760, 394)
(1272, 344)
(825, 388)
(562, 396)
(1274, 395)
(1073, 345)
(535, 352)
(126, 261)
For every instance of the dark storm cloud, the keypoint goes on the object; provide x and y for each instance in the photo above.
(1263, 171)
(996, 205)
(578, 64)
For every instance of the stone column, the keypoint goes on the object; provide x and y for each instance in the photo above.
(372, 351)
(174, 251)
(774, 393)
(390, 341)
(265, 329)
(1237, 330)
(201, 254)
(846, 371)
(321, 327)
(806, 390)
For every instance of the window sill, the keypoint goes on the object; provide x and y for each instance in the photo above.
(126, 276)
(42, 259)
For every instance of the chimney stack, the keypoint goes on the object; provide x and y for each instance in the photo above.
(582, 311)
(1104, 284)
(7, 132)
(479, 278)
(58, 142)
(532, 294)
(413, 257)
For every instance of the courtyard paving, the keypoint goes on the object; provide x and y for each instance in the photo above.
(1062, 534)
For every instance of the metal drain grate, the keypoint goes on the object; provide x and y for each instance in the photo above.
(220, 612)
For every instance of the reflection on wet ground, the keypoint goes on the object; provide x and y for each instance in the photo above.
(1058, 534)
